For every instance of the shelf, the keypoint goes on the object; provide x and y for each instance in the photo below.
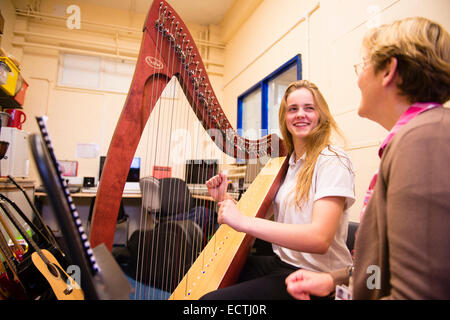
(8, 101)
(6, 184)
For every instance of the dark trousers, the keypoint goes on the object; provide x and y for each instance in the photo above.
(262, 278)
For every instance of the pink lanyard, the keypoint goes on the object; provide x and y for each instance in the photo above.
(408, 115)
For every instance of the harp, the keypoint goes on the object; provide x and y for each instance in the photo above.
(167, 51)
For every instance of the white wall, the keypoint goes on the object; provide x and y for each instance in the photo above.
(9, 16)
(275, 32)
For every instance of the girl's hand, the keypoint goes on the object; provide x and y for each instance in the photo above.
(229, 214)
(217, 186)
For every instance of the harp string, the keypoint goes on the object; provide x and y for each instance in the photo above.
(169, 228)
(148, 257)
(192, 154)
(206, 224)
(178, 269)
(187, 210)
(154, 256)
(196, 243)
(171, 243)
(142, 279)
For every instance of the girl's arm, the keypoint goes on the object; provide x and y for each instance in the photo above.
(315, 237)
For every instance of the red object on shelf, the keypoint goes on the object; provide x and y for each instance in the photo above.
(20, 96)
(160, 172)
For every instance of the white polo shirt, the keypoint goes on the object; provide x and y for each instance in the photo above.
(333, 176)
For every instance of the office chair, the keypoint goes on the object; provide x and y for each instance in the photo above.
(177, 204)
(170, 199)
(151, 249)
(351, 235)
(150, 194)
(176, 198)
(151, 203)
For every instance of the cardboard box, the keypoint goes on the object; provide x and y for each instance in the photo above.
(20, 95)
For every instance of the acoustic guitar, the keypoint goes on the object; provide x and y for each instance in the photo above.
(63, 286)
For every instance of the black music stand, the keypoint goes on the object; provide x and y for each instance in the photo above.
(110, 282)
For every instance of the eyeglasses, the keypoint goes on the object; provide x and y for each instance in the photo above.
(359, 67)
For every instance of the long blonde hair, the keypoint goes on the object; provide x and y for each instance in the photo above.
(316, 141)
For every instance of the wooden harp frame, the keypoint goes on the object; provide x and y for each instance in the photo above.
(167, 50)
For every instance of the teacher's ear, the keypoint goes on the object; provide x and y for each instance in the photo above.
(389, 72)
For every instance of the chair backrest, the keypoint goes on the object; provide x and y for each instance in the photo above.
(162, 254)
(351, 235)
(151, 195)
(175, 196)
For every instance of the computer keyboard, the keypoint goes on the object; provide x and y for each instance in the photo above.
(131, 191)
(128, 189)
(132, 187)
(197, 187)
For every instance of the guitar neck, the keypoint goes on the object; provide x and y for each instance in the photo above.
(2, 268)
(22, 231)
(19, 251)
(48, 238)
(7, 254)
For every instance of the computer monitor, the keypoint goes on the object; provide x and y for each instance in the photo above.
(135, 170)
(133, 174)
(199, 171)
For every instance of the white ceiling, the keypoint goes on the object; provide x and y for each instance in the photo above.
(194, 11)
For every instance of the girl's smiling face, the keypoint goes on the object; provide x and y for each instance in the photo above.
(301, 114)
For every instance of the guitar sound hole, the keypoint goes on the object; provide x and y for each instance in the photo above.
(68, 290)
(53, 270)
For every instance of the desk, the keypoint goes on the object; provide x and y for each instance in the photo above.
(25, 183)
(132, 207)
(209, 198)
(83, 202)
(202, 197)
(90, 195)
